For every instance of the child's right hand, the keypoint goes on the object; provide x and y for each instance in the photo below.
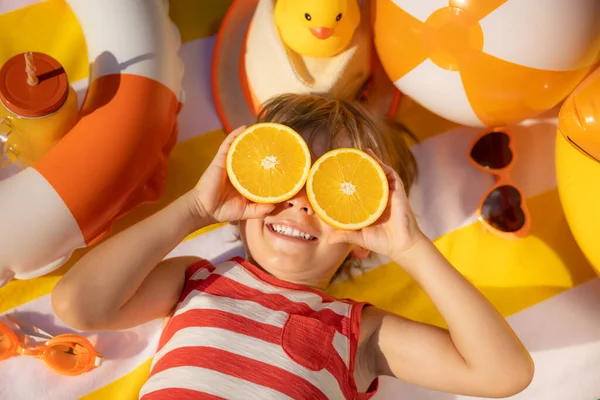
(215, 198)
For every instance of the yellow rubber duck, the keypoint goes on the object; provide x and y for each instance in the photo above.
(317, 28)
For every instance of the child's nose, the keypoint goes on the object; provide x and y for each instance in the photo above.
(301, 202)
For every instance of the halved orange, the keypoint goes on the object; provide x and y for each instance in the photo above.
(347, 189)
(268, 163)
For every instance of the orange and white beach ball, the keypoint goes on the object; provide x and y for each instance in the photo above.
(487, 62)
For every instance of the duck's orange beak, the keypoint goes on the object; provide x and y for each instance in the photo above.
(322, 32)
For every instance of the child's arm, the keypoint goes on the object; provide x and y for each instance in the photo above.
(123, 283)
(479, 355)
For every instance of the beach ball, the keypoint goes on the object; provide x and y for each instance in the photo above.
(487, 62)
(578, 165)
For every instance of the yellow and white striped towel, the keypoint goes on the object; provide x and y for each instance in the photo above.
(543, 283)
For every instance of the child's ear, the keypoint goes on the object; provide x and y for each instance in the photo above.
(359, 253)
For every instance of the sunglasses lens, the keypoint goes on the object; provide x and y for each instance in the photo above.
(492, 151)
(63, 356)
(502, 209)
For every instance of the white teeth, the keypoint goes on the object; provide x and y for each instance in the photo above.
(287, 231)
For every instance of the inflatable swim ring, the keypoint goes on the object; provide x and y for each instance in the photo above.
(578, 165)
(115, 157)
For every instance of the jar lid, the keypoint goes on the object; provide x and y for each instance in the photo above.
(33, 101)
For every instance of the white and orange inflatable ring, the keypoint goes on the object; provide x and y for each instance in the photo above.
(116, 155)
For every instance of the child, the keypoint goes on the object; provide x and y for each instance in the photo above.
(262, 327)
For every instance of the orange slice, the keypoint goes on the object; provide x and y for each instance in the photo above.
(348, 189)
(268, 163)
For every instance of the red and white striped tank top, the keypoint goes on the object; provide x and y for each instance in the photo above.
(239, 333)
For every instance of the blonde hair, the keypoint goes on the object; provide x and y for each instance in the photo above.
(321, 117)
(318, 117)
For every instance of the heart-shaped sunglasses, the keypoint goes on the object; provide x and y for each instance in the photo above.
(502, 210)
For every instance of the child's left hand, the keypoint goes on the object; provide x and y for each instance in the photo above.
(396, 230)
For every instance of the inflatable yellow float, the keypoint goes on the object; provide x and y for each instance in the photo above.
(116, 155)
(578, 164)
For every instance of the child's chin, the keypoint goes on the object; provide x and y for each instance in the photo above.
(283, 262)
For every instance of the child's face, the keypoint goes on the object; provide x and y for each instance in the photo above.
(292, 242)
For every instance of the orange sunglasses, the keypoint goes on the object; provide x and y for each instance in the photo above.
(67, 354)
(502, 210)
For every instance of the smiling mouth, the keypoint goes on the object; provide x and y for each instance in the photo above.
(290, 232)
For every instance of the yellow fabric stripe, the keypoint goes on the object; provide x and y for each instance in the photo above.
(188, 160)
(18, 292)
(513, 275)
(197, 18)
(205, 230)
(48, 27)
(124, 388)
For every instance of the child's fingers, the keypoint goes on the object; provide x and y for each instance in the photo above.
(390, 173)
(230, 138)
(354, 237)
(221, 156)
(255, 210)
(235, 133)
(386, 168)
